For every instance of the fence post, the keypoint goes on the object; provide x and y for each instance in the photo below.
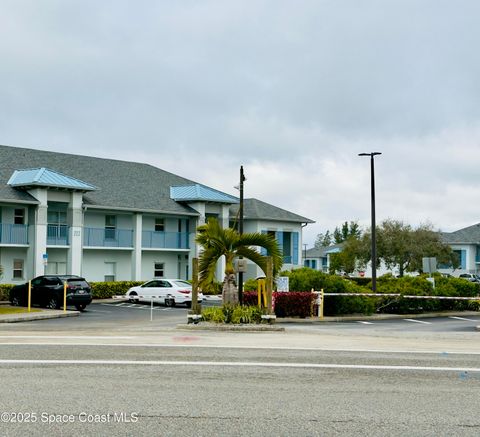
(269, 284)
(320, 307)
(196, 308)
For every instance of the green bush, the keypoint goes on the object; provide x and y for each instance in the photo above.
(5, 290)
(235, 314)
(105, 290)
(250, 285)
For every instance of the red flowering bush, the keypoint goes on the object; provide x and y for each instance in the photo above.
(286, 304)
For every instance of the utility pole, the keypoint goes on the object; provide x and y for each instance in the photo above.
(372, 194)
(240, 231)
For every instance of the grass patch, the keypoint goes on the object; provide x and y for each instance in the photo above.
(16, 310)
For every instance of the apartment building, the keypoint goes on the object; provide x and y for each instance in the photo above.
(108, 220)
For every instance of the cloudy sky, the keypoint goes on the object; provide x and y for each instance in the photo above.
(291, 90)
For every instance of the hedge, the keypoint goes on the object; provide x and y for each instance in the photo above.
(105, 290)
(5, 290)
(286, 304)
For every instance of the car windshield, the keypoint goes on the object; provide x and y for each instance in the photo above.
(182, 284)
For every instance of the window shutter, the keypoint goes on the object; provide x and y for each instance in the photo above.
(295, 247)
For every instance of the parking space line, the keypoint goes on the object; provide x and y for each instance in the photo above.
(463, 318)
(417, 321)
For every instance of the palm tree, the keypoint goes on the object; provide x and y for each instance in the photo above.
(217, 242)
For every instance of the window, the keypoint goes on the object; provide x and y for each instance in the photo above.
(17, 268)
(159, 225)
(56, 268)
(109, 272)
(158, 270)
(19, 216)
(110, 227)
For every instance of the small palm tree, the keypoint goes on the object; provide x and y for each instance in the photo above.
(217, 242)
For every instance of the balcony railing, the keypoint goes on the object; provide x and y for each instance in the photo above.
(57, 235)
(165, 240)
(13, 234)
(107, 237)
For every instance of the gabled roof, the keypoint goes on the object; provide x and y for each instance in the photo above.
(197, 192)
(120, 184)
(468, 235)
(44, 177)
(254, 209)
(125, 185)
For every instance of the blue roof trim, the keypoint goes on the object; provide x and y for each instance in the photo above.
(44, 177)
(197, 192)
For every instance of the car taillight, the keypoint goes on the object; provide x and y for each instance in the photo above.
(184, 291)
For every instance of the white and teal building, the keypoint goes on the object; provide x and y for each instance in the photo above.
(466, 244)
(108, 220)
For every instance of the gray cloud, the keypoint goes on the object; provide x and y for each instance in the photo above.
(292, 90)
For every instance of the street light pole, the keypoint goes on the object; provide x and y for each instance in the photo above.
(240, 231)
(374, 237)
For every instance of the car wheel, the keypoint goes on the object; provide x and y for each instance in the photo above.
(169, 302)
(188, 304)
(52, 303)
(80, 306)
(133, 300)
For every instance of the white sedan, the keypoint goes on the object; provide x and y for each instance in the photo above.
(167, 291)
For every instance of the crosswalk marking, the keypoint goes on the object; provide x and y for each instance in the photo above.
(417, 321)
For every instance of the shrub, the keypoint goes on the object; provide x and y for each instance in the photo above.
(236, 314)
(105, 290)
(250, 285)
(213, 314)
(294, 303)
(5, 291)
(340, 305)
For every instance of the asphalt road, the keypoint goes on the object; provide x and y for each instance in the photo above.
(182, 390)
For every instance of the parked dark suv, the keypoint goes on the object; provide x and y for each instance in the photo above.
(47, 291)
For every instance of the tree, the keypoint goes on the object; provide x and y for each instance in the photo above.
(351, 257)
(340, 234)
(323, 240)
(217, 242)
(403, 247)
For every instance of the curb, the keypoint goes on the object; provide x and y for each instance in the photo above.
(230, 328)
(45, 314)
(317, 320)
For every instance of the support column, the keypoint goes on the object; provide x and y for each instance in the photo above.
(75, 220)
(137, 247)
(39, 231)
(200, 208)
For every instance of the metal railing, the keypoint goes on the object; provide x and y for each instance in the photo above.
(107, 237)
(57, 235)
(165, 240)
(13, 234)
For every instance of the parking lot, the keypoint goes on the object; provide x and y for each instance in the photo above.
(124, 316)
